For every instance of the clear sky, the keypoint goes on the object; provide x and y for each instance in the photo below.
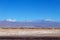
(30, 9)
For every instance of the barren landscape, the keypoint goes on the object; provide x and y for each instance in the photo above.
(29, 34)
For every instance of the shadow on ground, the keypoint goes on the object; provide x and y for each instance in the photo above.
(30, 38)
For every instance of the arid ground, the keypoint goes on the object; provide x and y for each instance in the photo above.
(29, 34)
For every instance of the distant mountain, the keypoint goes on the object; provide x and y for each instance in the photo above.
(32, 24)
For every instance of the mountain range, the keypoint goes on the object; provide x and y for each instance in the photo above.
(32, 24)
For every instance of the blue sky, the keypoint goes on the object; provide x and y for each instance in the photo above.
(30, 9)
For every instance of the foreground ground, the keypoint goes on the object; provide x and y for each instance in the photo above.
(32, 38)
(29, 34)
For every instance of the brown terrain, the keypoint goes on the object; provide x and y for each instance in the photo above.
(29, 34)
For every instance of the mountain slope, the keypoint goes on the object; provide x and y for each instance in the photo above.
(33, 24)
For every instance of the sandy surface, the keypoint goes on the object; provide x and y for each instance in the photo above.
(30, 32)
